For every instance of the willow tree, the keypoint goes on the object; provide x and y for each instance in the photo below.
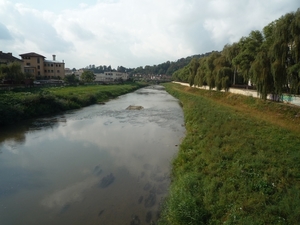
(280, 52)
(222, 72)
(230, 52)
(286, 51)
(294, 62)
(201, 73)
(262, 75)
(210, 66)
(181, 75)
(193, 67)
(248, 48)
(261, 66)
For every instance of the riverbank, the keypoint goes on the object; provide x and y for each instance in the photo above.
(21, 104)
(290, 99)
(239, 161)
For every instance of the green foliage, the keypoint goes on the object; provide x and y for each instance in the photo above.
(238, 164)
(183, 207)
(181, 75)
(17, 105)
(12, 72)
(193, 67)
(270, 60)
(87, 76)
(71, 79)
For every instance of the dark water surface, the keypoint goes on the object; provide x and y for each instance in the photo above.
(99, 165)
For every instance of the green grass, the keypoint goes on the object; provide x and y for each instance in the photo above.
(238, 164)
(20, 104)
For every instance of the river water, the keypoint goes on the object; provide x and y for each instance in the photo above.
(101, 164)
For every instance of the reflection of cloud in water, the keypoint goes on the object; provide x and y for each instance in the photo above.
(133, 147)
(70, 194)
(133, 137)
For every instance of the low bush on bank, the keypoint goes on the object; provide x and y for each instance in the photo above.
(21, 104)
(238, 164)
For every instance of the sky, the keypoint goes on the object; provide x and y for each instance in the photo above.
(130, 33)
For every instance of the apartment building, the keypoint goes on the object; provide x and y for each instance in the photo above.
(40, 68)
(110, 76)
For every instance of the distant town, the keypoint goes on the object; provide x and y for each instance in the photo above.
(40, 70)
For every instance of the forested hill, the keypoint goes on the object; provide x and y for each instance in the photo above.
(166, 68)
(268, 59)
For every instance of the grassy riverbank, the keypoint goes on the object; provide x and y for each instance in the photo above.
(21, 104)
(238, 164)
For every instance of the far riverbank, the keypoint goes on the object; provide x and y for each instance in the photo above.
(21, 104)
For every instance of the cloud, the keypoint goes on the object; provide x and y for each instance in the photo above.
(68, 195)
(4, 33)
(134, 32)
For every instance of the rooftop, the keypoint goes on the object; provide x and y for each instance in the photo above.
(8, 56)
(31, 54)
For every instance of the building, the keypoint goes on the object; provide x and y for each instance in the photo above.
(110, 76)
(40, 68)
(7, 58)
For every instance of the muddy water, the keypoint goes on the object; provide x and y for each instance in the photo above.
(99, 165)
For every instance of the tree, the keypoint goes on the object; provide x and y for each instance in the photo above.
(193, 67)
(3, 71)
(248, 49)
(222, 72)
(87, 76)
(230, 52)
(121, 69)
(71, 79)
(12, 72)
(210, 66)
(261, 66)
(200, 78)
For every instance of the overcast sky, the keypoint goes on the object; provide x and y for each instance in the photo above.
(130, 33)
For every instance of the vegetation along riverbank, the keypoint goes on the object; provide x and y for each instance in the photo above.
(238, 163)
(20, 104)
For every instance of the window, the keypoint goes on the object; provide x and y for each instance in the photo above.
(52, 65)
(45, 71)
(28, 64)
(38, 59)
(38, 67)
(39, 73)
(57, 71)
(51, 71)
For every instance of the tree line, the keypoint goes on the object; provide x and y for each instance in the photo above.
(268, 59)
(13, 72)
(165, 68)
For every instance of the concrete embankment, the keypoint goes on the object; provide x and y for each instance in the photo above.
(295, 100)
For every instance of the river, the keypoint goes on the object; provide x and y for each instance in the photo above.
(101, 164)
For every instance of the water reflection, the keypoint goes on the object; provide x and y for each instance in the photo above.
(101, 164)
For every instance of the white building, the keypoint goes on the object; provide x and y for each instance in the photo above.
(110, 76)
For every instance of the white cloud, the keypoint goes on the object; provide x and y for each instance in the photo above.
(132, 32)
